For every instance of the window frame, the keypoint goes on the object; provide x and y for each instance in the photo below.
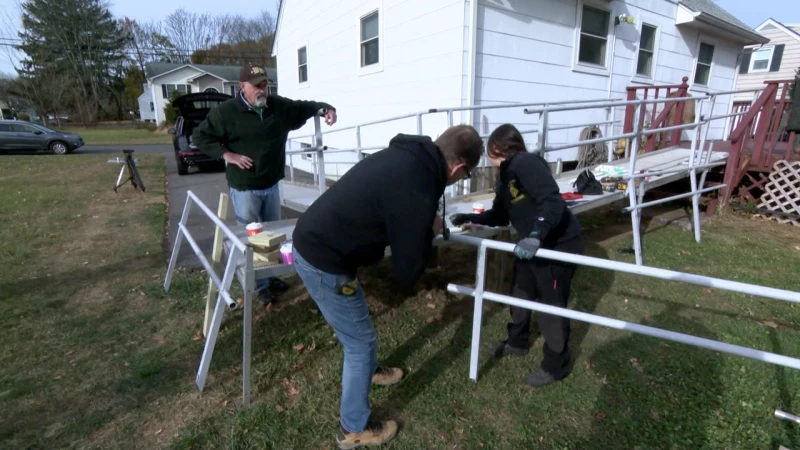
(302, 84)
(166, 94)
(370, 9)
(700, 41)
(579, 66)
(771, 49)
(647, 79)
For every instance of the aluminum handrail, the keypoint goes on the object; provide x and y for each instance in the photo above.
(480, 294)
(653, 272)
(452, 110)
(735, 91)
(611, 104)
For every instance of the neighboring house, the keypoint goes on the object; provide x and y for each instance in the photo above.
(165, 78)
(6, 113)
(776, 60)
(376, 59)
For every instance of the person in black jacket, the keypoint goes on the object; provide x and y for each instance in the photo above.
(390, 199)
(529, 198)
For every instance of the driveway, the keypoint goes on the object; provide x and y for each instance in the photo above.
(207, 186)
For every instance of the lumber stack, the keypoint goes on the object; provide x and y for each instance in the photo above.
(266, 248)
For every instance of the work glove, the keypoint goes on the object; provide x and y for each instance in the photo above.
(527, 248)
(460, 219)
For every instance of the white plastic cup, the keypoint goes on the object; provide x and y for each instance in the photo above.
(477, 208)
(254, 228)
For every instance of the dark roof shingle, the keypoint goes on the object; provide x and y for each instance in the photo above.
(711, 8)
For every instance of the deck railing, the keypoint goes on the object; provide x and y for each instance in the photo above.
(758, 134)
(671, 114)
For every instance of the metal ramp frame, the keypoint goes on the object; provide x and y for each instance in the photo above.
(646, 170)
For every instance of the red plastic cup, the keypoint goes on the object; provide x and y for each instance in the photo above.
(254, 228)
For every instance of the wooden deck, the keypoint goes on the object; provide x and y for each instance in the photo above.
(781, 152)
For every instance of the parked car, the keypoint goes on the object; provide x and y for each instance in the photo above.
(193, 109)
(21, 135)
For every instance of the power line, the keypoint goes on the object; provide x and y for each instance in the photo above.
(163, 53)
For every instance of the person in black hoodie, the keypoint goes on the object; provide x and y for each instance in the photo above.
(527, 196)
(391, 198)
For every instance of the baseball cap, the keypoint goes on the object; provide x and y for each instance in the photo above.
(253, 74)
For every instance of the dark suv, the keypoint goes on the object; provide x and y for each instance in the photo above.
(193, 109)
(21, 135)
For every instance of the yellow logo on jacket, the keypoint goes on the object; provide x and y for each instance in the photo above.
(516, 195)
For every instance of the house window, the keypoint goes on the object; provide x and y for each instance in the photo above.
(152, 106)
(702, 72)
(647, 50)
(168, 89)
(302, 64)
(594, 36)
(211, 90)
(760, 60)
(369, 40)
(273, 90)
(234, 91)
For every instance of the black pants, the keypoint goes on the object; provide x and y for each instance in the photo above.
(544, 282)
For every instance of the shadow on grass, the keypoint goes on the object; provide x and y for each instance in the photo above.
(656, 394)
(418, 381)
(589, 286)
(717, 312)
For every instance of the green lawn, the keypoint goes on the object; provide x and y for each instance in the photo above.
(96, 355)
(122, 136)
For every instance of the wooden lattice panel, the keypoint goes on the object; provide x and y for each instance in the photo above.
(782, 192)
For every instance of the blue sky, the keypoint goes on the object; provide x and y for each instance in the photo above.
(754, 13)
(143, 10)
(749, 11)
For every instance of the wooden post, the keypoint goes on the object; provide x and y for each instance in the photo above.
(216, 261)
(500, 267)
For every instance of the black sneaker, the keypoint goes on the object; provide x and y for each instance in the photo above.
(277, 285)
(540, 378)
(265, 297)
(503, 349)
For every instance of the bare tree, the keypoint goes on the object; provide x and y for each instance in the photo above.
(189, 32)
(242, 39)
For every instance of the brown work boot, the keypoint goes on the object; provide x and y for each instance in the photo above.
(375, 433)
(385, 376)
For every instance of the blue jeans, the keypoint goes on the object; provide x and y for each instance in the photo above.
(263, 205)
(349, 317)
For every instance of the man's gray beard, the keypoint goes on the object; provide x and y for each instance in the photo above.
(261, 100)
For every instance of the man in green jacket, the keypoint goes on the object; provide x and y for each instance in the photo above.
(249, 132)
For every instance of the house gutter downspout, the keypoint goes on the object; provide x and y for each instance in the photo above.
(473, 48)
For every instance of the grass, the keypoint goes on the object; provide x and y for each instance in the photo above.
(122, 136)
(96, 355)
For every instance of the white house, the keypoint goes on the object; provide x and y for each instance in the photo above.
(375, 59)
(164, 78)
(776, 60)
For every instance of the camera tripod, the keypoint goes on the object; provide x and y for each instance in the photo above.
(133, 175)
